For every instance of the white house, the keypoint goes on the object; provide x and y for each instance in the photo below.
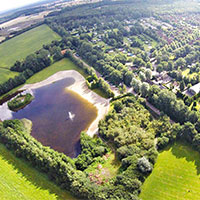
(195, 89)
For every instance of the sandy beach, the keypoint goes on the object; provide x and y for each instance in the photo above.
(80, 87)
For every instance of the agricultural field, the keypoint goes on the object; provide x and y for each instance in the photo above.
(18, 180)
(175, 175)
(21, 46)
(5, 74)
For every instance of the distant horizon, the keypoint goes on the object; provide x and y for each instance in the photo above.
(13, 4)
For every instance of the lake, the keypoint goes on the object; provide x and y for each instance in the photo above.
(49, 113)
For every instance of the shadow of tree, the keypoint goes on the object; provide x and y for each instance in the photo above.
(38, 179)
(182, 149)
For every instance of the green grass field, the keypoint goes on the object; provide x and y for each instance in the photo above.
(64, 64)
(22, 45)
(176, 175)
(19, 181)
(5, 74)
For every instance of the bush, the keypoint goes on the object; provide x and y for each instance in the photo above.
(20, 101)
(144, 165)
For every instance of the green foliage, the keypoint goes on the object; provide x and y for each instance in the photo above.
(128, 128)
(90, 148)
(20, 101)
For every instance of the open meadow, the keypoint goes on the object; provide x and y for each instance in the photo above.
(18, 180)
(24, 44)
(176, 175)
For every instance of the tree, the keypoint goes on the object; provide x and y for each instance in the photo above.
(144, 165)
(128, 78)
(189, 131)
(115, 77)
(142, 76)
(148, 74)
(182, 85)
(144, 89)
(159, 68)
(180, 62)
(136, 84)
(170, 66)
(57, 53)
(149, 65)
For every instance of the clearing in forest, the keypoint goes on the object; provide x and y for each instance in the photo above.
(176, 175)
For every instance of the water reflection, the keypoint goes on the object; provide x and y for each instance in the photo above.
(52, 124)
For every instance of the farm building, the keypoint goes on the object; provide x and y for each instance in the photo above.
(195, 89)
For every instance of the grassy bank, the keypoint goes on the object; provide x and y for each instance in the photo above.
(62, 65)
(176, 175)
(18, 180)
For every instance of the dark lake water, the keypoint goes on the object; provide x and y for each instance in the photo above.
(49, 113)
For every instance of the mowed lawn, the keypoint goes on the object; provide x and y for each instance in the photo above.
(24, 44)
(5, 74)
(176, 175)
(19, 181)
(62, 65)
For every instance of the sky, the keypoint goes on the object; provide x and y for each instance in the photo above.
(10, 4)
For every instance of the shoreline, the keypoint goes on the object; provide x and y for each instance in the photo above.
(79, 86)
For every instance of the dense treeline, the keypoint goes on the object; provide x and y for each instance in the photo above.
(34, 62)
(167, 102)
(128, 128)
(40, 59)
(16, 81)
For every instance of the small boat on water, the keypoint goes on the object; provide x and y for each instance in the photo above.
(71, 116)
